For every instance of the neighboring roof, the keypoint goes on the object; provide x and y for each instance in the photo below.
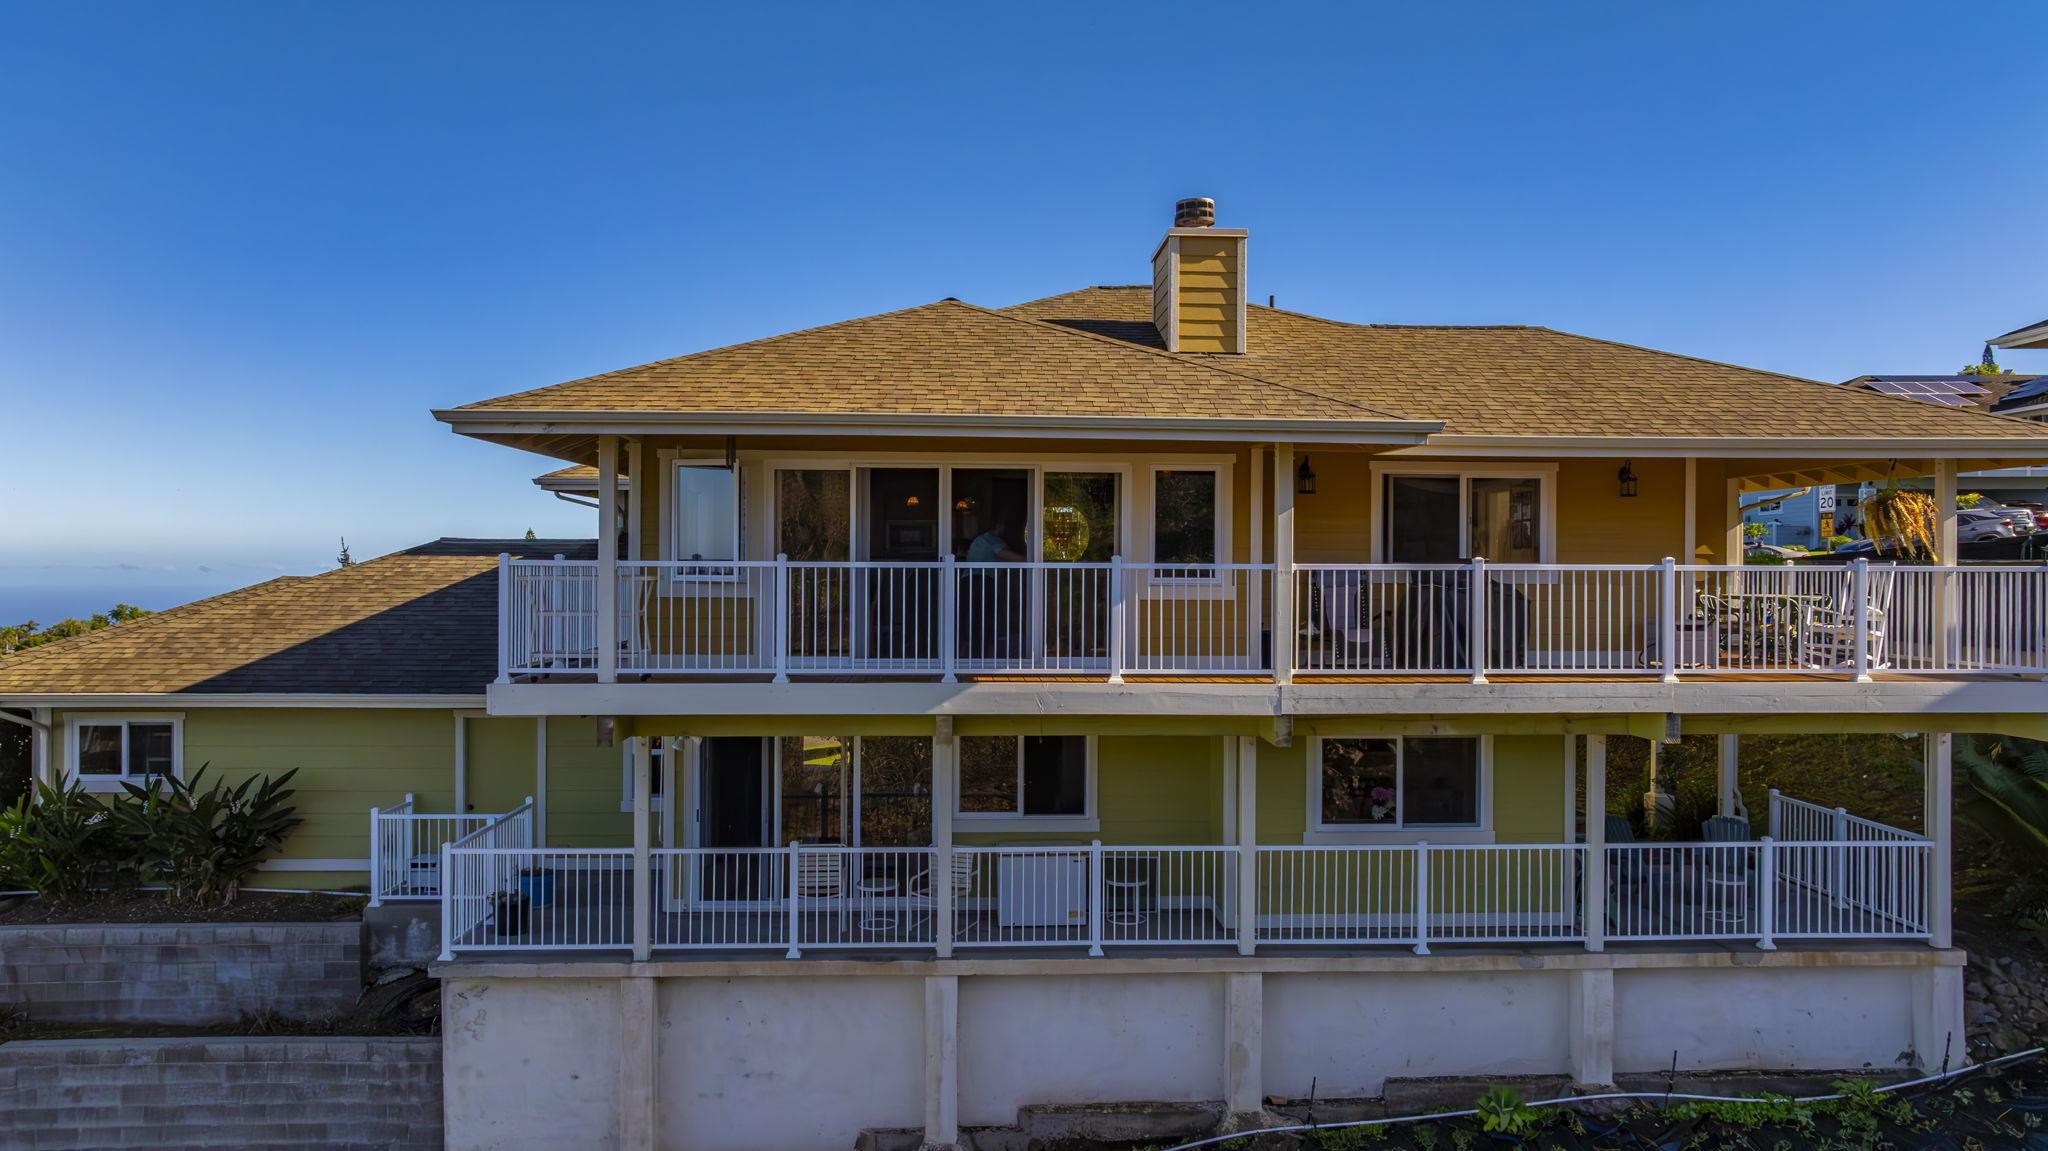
(1529, 381)
(576, 478)
(2031, 336)
(2025, 397)
(948, 359)
(1955, 391)
(420, 621)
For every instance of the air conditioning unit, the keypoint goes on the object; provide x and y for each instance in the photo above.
(1049, 890)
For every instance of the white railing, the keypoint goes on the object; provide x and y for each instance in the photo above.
(405, 849)
(786, 618)
(807, 898)
(1797, 821)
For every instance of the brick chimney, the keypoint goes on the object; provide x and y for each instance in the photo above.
(1198, 288)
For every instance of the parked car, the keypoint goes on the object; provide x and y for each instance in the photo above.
(1974, 524)
(2020, 520)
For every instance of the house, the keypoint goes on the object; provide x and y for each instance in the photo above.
(1136, 694)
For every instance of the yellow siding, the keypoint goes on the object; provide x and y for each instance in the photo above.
(499, 758)
(1163, 790)
(1210, 286)
(585, 786)
(1528, 789)
(1595, 525)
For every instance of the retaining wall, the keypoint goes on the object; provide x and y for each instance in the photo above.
(171, 1094)
(181, 973)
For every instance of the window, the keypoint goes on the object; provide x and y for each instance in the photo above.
(660, 754)
(105, 752)
(1391, 784)
(1186, 510)
(707, 523)
(1441, 519)
(1032, 777)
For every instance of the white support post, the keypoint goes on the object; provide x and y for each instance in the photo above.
(1859, 589)
(1767, 894)
(1475, 639)
(461, 763)
(641, 887)
(42, 766)
(1247, 844)
(1119, 620)
(1595, 909)
(376, 862)
(1729, 777)
(1571, 831)
(635, 488)
(639, 1063)
(1592, 1030)
(949, 618)
(447, 885)
(1422, 898)
(607, 559)
(1667, 618)
(540, 781)
(505, 617)
(1255, 609)
(1946, 519)
(780, 628)
(1938, 803)
(796, 950)
(1838, 867)
(1284, 629)
(945, 793)
(941, 1061)
(1095, 893)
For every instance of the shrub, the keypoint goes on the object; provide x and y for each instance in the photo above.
(202, 842)
(61, 843)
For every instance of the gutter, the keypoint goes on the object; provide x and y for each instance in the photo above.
(503, 422)
(161, 699)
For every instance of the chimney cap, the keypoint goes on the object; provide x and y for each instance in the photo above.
(1194, 212)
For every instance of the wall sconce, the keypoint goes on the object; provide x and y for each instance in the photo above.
(912, 502)
(1304, 479)
(1627, 476)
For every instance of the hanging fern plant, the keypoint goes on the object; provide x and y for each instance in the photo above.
(1904, 518)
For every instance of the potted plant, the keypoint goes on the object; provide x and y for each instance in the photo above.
(508, 913)
(537, 884)
(1903, 518)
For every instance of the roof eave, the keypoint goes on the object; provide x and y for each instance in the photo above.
(2035, 336)
(1759, 447)
(474, 422)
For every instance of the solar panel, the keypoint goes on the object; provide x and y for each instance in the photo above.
(1949, 391)
(2033, 389)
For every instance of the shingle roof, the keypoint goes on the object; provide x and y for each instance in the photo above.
(2031, 336)
(949, 358)
(419, 621)
(1516, 380)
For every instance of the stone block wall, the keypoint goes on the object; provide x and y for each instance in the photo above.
(172, 1094)
(182, 973)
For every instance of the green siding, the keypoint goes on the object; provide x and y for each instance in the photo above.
(1149, 789)
(585, 785)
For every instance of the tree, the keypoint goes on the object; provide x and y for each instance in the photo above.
(530, 535)
(29, 633)
(1985, 366)
(344, 559)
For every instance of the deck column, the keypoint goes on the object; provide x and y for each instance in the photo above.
(642, 887)
(1937, 780)
(1938, 1019)
(1283, 563)
(1592, 1028)
(1729, 775)
(1244, 1029)
(1593, 908)
(945, 790)
(607, 597)
(1948, 590)
(638, 1060)
(1247, 843)
(540, 781)
(941, 1061)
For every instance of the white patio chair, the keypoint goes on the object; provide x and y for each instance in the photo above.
(821, 882)
(1828, 634)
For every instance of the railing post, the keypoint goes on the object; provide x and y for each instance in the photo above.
(1667, 618)
(1772, 818)
(795, 951)
(1095, 890)
(1119, 619)
(1859, 588)
(447, 904)
(1475, 640)
(1767, 895)
(781, 628)
(1284, 639)
(1837, 872)
(376, 864)
(1422, 898)
(504, 619)
(1594, 909)
(949, 618)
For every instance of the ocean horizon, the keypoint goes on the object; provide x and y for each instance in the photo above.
(48, 603)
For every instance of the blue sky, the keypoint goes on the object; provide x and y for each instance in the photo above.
(243, 250)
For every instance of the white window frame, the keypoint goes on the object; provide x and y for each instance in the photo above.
(1222, 581)
(1088, 820)
(73, 744)
(656, 801)
(1545, 476)
(671, 522)
(1336, 834)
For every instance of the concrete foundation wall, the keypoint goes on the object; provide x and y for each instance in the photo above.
(1781, 1019)
(1347, 1034)
(170, 1094)
(721, 1056)
(181, 972)
(1087, 1039)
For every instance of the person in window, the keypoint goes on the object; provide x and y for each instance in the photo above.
(1000, 602)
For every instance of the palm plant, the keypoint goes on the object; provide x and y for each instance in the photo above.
(2008, 792)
